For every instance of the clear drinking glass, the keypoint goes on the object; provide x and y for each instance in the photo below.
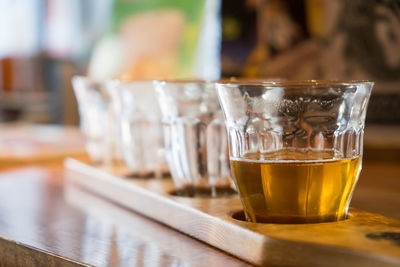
(97, 121)
(135, 104)
(194, 138)
(295, 147)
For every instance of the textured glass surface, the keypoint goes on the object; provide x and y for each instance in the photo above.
(194, 134)
(97, 120)
(308, 115)
(138, 114)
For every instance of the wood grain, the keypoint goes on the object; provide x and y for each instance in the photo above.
(362, 240)
(45, 222)
(14, 254)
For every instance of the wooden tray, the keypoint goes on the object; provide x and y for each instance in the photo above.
(365, 239)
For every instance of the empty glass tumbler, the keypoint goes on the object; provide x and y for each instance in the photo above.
(135, 104)
(194, 137)
(97, 121)
(295, 147)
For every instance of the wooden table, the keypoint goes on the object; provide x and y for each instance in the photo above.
(47, 222)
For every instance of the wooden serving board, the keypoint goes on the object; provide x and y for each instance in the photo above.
(365, 239)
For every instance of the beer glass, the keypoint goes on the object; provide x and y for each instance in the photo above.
(139, 125)
(194, 138)
(97, 121)
(295, 147)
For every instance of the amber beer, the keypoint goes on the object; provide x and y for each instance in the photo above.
(295, 186)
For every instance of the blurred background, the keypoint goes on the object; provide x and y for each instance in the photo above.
(43, 43)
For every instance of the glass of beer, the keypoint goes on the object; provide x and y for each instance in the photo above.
(295, 147)
(195, 138)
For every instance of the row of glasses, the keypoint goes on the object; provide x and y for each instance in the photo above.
(158, 127)
(293, 149)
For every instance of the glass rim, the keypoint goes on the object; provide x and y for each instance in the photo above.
(87, 81)
(296, 84)
(183, 81)
(92, 79)
(216, 81)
